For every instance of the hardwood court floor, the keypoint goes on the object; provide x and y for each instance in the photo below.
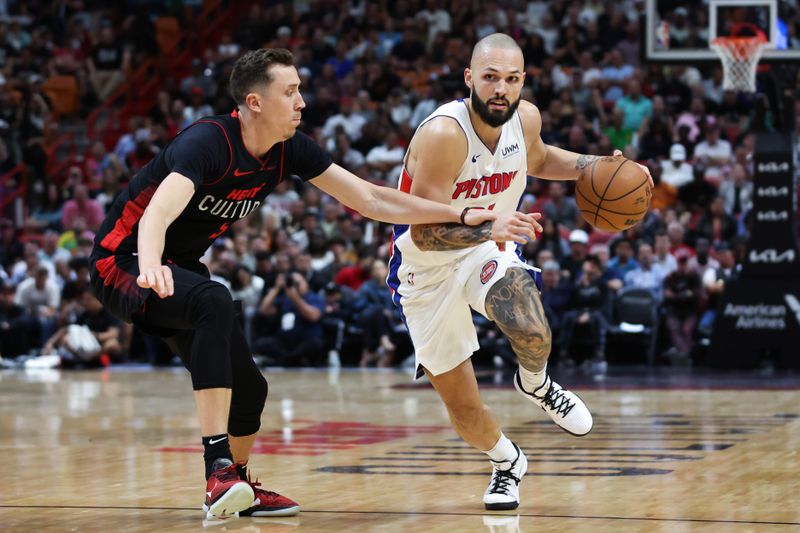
(118, 451)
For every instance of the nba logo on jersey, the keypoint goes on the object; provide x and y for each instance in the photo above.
(488, 271)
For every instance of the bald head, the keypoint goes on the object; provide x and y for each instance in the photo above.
(495, 41)
(495, 78)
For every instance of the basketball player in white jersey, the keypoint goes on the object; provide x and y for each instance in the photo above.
(477, 153)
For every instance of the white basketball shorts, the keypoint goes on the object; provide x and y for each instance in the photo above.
(436, 301)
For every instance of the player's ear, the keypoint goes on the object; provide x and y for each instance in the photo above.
(468, 78)
(253, 102)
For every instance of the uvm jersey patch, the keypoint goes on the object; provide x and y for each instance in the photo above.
(488, 271)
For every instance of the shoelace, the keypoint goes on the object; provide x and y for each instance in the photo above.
(556, 401)
(255, 484)
(501, 479)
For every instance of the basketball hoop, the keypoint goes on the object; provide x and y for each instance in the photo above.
(740, 57)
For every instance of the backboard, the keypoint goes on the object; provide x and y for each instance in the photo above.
(680, 31)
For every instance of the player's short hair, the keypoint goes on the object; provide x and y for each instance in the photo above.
(253, 69)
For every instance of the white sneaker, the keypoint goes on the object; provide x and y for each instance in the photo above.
(503, 491)
(564, 407)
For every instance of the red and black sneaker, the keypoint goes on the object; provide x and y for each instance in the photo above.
(268, 503)
(226, 493)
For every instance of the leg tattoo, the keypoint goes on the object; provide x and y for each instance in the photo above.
(515, 306)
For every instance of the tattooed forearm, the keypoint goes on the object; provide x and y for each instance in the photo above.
(584, 161)
(515, 306)
(433, 237)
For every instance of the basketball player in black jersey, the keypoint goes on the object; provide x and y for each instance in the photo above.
(146, 268)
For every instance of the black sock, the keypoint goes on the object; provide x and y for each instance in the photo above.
(215, 447)
(242, 471)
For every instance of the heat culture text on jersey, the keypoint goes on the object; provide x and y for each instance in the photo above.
(485, 185)
(237, 204)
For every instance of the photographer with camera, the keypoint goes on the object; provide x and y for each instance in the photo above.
(287, 329)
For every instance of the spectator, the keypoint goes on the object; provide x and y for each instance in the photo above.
(26, 267)
(287, 328)
(681, 299)
(40, 297)
(714, 281)
(551, 239)
(198, 78)
(556, 292)
(385, 160)
(616, 71)
(93, 339)
(354, 276)
(702, 261)
(737, 190)
(578, 246)
(717, 225)
(375, 315)
(586, 307)
(663, 254)
(559, 208)
(675, 171)
(698, 193)
(197, 108)
(648, 275)
(623, 262)
(10, 246)
(108, 64)
(617, 132)
(676, 238)
(82, 207)
(713, 151)
(347, 118)
(78, 283)
(17, 326)
(634, 106)
(664, 194)
(655, 138)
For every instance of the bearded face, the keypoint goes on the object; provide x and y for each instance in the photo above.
(496, 111)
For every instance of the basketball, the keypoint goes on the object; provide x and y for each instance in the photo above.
(613, 193)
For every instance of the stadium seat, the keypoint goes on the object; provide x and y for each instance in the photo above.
(635, 313)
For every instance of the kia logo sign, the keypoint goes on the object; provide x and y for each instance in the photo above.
(772, 191)
(773, 167)
(771, 255)
(772, 216)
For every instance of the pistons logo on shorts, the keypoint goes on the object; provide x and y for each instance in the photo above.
(488, 271)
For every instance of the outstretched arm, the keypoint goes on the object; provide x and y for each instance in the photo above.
(550, 162)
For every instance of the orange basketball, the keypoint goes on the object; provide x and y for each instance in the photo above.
(613, 193)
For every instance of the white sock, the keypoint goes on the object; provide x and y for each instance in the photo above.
(503, 450)
(532, 380)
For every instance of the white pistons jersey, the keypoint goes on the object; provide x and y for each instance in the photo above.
(489, 180)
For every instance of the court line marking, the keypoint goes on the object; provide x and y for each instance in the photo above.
(423, 513)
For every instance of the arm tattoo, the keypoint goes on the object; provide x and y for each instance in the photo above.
(515, 306)
(441, 237)
(584, 161)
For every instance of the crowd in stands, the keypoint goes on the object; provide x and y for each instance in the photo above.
(310, 273)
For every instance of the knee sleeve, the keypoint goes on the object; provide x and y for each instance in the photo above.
(247, 404)
(212, 312)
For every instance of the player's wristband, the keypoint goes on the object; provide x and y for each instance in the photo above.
(464, 213)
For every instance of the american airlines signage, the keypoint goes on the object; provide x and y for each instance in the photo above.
(772, 167)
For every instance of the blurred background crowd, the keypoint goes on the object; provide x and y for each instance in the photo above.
(90, 92)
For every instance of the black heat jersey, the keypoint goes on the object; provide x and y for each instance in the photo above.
(230, 183)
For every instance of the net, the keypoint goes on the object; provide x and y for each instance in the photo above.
(740, 57)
